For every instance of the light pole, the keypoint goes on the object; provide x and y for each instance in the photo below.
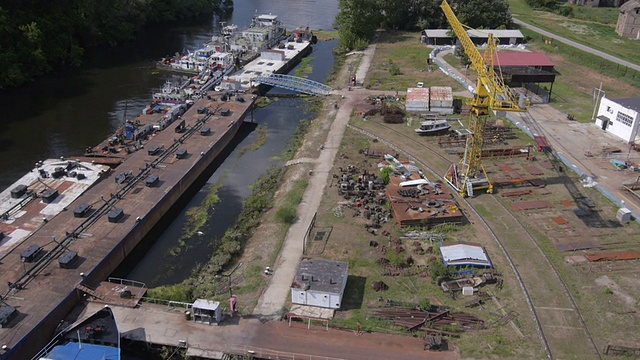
(228, 276)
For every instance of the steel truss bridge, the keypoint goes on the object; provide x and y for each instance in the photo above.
(295, 83)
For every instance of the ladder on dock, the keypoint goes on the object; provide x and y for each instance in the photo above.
(84, 288)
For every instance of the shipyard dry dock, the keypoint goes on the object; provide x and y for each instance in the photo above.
(95, 233)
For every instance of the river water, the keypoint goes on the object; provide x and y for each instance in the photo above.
(65, 113)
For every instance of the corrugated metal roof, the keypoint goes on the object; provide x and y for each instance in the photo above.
(417, 94)
(521, 58)
(441, 93)
(442, 33)
(464, 254)
(437, 33)
(496, 33)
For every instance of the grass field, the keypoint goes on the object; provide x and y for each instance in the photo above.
(594, 27)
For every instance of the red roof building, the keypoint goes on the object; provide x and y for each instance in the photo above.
(527, 69)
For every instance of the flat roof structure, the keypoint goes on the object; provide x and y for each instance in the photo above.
(464, 254)
(321, 275)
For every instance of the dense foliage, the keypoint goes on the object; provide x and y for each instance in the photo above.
(37, 36)
(358, 20)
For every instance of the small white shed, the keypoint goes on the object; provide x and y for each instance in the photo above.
(206, 311)
(320, 283)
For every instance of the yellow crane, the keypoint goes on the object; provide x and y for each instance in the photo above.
(490, 94)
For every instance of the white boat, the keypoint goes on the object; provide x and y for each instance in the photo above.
(433, 127)
(209, 57)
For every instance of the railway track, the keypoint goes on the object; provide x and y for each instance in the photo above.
(545, 325)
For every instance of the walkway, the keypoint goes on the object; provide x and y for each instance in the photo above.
(295, 83)
(578, 45)
(274, 297)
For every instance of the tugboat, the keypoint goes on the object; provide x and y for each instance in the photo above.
(96, 337)
(433, 127)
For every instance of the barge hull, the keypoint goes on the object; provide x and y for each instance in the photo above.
(47, 292)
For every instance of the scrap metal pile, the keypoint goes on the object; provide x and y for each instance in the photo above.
(437, 320)
(493, 135)
(364, 193)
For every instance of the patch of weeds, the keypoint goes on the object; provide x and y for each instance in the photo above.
(260, 141)
(304, 69)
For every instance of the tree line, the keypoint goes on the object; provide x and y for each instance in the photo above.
(358, 20)
(38, 36)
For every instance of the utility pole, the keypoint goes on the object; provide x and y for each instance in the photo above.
(596, 97)
(228, 276)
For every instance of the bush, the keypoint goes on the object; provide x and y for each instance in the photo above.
(396, 258)
(393, 68)
(287, 215)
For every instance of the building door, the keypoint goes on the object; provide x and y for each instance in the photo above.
(604, 124)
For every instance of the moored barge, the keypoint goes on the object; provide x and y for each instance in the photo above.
(119, 211)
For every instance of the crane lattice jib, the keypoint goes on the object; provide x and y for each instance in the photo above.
(490, 84)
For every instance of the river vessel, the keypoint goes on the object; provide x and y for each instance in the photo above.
(433, 127)
(179, 141)
(96, 337)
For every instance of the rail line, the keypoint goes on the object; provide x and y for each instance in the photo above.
(525, 291)
(527, 295)
(555, 271)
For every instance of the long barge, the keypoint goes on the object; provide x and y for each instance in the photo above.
(90, 237)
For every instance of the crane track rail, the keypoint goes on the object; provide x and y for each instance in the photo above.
(539, 328)
(525, 291)
(555, 271)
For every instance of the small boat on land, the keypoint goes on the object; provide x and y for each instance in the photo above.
(96, 337)
(433, 127)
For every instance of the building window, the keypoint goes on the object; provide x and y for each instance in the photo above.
(625, 119)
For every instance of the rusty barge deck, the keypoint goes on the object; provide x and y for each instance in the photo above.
(124, 207)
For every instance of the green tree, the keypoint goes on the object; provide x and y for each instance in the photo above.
(357, 22)
(483, 14)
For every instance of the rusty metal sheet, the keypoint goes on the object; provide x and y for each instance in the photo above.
(533, 170)
(616, 255)
(560, 220)
(527, 205)
(516, 193)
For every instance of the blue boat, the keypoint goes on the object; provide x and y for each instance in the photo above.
(96, 337)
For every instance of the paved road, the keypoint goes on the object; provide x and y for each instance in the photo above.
(578, 46)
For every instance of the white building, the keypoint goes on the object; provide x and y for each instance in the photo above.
(620, 117)
(320, 283)
(464, 254)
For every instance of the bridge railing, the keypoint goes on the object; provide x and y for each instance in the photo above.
(295, 83)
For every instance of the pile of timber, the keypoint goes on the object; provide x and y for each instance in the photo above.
(431, 322)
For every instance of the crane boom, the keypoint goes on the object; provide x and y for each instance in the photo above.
(501, 98)
(490, 94)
